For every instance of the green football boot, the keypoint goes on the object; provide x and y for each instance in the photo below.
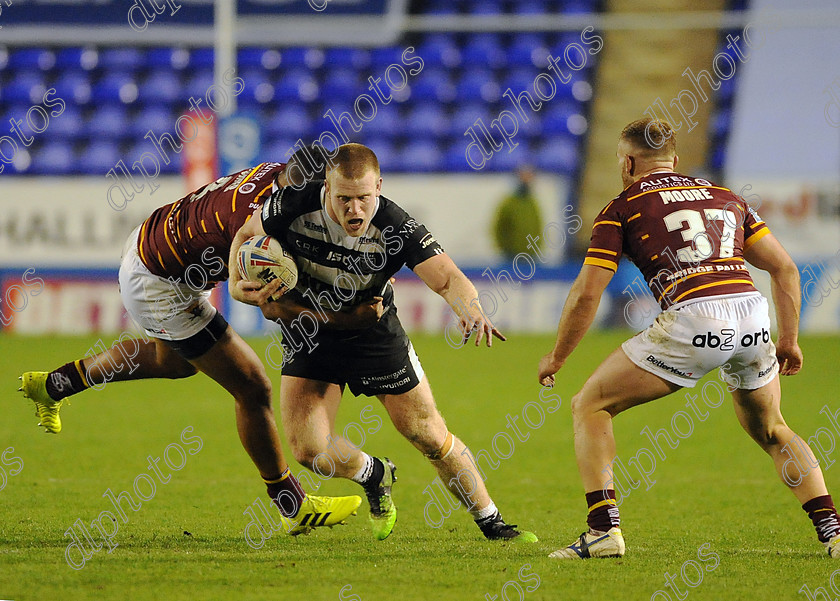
(495, 528)
(383, 512)
(34, 387)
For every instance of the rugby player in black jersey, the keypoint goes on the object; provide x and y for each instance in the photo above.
(348, 242)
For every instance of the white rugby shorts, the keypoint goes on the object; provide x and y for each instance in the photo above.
(687, 342)
(165, 309)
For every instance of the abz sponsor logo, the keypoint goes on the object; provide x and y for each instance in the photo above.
(724, 341)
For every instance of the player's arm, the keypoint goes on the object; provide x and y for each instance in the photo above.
(245, 291)
(769, 254)
(441, 275)
(578, 314)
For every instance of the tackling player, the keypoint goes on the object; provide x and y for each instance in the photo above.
(690, 239)
(348, 241)
(180, 244)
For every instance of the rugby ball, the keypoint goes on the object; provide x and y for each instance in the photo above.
(262, 259)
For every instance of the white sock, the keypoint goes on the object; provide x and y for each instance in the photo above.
(480, 514)
(366, 470)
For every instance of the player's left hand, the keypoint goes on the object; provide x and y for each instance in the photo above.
(548, 367)
(790, 358)
(255, 293)
(483, 328)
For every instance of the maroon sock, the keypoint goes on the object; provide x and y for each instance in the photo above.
(67, 380)
(603, 512)
(286, 492)
(824, 517)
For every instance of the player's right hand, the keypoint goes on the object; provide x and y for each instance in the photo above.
(789, 357)
(548, 367)
(367, 314)
(254, 293)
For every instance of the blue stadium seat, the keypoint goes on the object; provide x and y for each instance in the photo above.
(465, 117)
(718, 159)
(486, 7)
(528, 49)
(107, 123)
(530, 7)
(53, 158)
(77, 58)
(297, 84)
(726, 93)
(170, 166)
(558, 154)
(73, 86)
(424, 120)
(386, 152)
(300, 57)
(483, 49)
(98, 157)
(202, 58)
(575, 7)
(159, 119)
(521, 79)
(258, 89)
(198, 84)
(506, 160)
(441, 7)
(250, 57)
(160, 87)
(432, 84)
(386, 124)
(478, 84)
(115, 87)
(31, 59)
(381, 58)
(289, 121)
(68, 125)
(556, 117)
(346, 57)
(339, 84)
(720, 124)
(277, 149)
(166, 58)
(419, 155)
(28, 87)
(439, 50)
(124, 59)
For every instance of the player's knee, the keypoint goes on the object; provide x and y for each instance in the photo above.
(256, 388)
(419, 434)
(769, 435)
(578, 405)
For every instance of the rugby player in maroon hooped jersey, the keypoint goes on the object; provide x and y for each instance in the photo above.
(712, 316)
(169, 265)
(348, 241)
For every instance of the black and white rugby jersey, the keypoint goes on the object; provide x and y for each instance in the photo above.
(335, 270)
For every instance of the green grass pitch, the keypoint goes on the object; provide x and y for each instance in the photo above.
(186, 542)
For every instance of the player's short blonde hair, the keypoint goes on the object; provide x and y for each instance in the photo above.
(353, 161)
(651, 138)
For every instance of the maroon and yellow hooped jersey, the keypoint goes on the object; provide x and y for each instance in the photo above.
(199, 228)
(687, 236)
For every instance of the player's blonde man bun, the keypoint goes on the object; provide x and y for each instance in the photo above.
(651, 138)
(353, 161)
